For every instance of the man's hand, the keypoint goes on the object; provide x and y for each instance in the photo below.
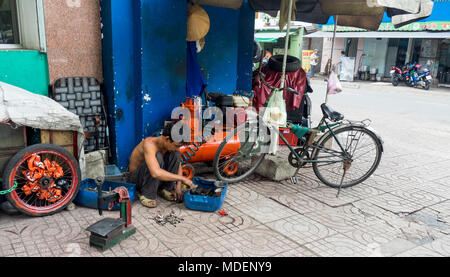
(188, 182)
(178, 193)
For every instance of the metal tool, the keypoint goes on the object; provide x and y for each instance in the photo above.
(109, 231)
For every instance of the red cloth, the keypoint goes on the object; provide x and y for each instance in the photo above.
(123, 196)
(295, 80)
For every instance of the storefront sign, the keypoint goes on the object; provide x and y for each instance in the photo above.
(306, 60)
(416, 26)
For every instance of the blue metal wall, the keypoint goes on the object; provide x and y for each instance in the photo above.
(227, 55)
(144, 59)
(121, 75)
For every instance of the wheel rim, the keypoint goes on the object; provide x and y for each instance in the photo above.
(236, 163)
(48, 193)
(188, 171)
(363, 160)
(231, 168)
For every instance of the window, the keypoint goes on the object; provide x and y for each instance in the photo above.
(22, 24)
(9, 28)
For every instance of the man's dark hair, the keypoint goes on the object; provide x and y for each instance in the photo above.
(343, 52)
(167, 131)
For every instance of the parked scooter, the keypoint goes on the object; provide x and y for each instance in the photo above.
(398, 74)
(420, 77)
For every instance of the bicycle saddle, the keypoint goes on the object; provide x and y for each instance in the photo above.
(330, 113)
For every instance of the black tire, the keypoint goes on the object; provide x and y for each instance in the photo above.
(395, 81)
(222, 159)
(276, 63)
(355, 133)
(427, 85)
(30, 204)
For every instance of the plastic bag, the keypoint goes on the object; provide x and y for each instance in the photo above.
(334, 85)
(275, 113)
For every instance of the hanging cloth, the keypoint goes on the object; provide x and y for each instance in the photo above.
(284, 13)
(195, 83)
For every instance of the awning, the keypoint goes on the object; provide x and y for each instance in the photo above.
(355, 13)
(267, 39)
(270, 36)
(397, 34)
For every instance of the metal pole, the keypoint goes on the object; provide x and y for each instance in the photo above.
(331, 57)
(286, 45)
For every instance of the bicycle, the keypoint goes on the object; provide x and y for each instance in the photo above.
(334, 149)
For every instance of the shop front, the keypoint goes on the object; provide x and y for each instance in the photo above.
(424, 42)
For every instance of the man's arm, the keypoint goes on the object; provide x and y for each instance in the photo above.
(155, 170)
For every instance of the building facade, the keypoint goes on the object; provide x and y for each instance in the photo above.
(425, 42)
(44, 40)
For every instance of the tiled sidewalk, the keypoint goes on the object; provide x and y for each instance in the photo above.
(402, 210)
(390, 214)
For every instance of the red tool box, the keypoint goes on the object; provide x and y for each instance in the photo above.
(289, 136)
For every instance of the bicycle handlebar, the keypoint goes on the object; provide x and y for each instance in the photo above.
(274, 88)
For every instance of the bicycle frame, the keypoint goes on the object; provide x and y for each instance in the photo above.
(308, 145)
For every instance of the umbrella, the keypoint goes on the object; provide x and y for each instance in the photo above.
(365, 14)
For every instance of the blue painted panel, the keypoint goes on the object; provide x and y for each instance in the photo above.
(245, 50)
(119, 64)
(163, 35)
(219, 57)
(144, 60)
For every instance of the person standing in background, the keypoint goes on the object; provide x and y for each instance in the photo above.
(313, 62)
(267, 56)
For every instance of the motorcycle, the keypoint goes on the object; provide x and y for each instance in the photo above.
(398, 74)
(419, 77)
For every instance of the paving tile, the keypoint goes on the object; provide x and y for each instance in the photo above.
(254, 242)
(443, 208)
(270, 189)
(419, 251)
(142, 244)
(297, 252)
(382, 239)
(394, 203)
(301, 229)
(299, 202)
(418, 196)
(239, 193)
(265, 210)
(339, 246)
(206, 249)
(342, 219)
(363, 191)
(442, 190)
(327, 195)
(441, 246)
(305, 181)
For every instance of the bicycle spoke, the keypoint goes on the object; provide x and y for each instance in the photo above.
(364, 156)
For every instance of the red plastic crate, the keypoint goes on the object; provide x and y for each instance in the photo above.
(289, 136)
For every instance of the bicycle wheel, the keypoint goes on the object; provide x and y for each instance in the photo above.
(240, 153)
(47, 178)
(364, 150)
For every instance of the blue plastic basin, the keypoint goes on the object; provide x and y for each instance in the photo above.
(88, 198)
(204, 203)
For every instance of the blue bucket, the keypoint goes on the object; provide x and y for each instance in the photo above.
(88, 198)
(204, 203)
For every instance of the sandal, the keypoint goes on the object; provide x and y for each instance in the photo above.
(169, 196)
(149, 203)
